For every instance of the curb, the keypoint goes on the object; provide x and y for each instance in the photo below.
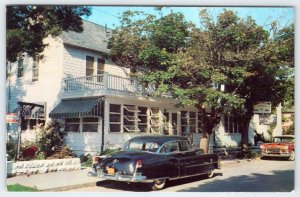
(65, 188)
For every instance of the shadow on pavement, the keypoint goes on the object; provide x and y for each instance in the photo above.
(249, 183)
(143, 187)
(133, 187)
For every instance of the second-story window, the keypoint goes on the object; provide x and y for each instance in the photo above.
(20, 68)
(35, 70)
(100, 66)
(89, 66)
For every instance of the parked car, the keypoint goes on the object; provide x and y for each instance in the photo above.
(156, 160)
(281, 146)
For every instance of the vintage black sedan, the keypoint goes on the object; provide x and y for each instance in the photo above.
(155, 160)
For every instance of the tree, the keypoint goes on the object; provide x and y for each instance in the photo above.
(27, 26)
(192, 64)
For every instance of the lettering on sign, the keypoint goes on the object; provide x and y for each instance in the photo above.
(12, 118)
(262, 108)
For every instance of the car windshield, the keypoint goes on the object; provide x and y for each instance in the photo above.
(283, 139)
(141, 146)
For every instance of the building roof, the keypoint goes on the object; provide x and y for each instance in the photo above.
(94, 37)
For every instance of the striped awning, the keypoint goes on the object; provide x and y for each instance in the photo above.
(75, 108)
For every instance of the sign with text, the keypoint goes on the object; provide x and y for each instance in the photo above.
(12, 118)
(262, 108)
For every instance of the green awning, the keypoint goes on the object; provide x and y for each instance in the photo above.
(75, 108)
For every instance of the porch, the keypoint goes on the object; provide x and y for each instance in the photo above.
(104, 84)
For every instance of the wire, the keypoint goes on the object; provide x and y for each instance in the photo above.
(105, 12)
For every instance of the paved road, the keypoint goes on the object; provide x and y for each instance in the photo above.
(255, 176)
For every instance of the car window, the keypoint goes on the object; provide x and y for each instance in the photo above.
(170, 147)
(141, 146)
(185, 146)
(283, 139)
(150, 146)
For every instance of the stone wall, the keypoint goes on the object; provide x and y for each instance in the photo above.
(42, 166)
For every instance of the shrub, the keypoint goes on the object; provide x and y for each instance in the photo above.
(11, 150)
(86, 160)
(110, 151)
(62, 152)
(40, 156)
(29, 152)
(50, 139)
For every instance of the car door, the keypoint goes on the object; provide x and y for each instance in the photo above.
(190, 160)
(171, 151)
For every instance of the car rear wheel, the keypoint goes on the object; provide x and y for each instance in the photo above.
(210, 172)
(292, 156)
(158, 184)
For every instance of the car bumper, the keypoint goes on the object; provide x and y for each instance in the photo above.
(276, 155)
(136, 177)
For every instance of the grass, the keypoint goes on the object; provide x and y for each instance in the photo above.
(20, 188)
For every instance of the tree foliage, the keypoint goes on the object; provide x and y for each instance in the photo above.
(252, 63)
(27, 26)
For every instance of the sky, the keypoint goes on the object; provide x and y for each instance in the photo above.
(108, 15)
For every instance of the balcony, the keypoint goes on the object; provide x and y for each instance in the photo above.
(103, 84)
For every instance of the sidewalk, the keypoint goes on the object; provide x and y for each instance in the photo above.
(55, 181)
(59, 181)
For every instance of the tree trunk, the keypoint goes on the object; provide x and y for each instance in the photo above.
(208, 122)
(244, 124)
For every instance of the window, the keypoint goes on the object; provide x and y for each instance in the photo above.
(72, 125)
(154, 120)
(141, 146)
(166, 120)
(199, 122)
(114, 118)
(185, 146)
(35, 70)
(192, 122)
(143, 119)
(89, 66)
(170, 147)
(90, 124)
(184, 122)
(188, 122)
(130, 118)
(20, 67)
(100, 66)
(31, 123)
(230, 124)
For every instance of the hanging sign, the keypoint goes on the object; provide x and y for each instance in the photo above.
(12, 118)
(262, 108)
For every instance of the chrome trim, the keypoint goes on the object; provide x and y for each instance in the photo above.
(203, 164)
(136, 177)
(276, 155)
(181, 177)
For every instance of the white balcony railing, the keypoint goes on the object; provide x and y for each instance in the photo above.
(105, 82)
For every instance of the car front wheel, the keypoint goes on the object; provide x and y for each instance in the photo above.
(158, 184)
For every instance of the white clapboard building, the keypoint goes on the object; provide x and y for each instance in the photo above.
(98, 103)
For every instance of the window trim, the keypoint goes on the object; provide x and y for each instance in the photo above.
(92, 66)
